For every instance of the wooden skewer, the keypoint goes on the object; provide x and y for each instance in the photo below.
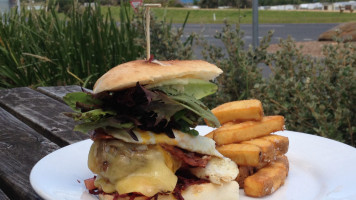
(148, 39)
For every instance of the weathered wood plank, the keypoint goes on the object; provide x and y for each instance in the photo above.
(20, 148)
(42, 113)
(3, 196)
(58, 92)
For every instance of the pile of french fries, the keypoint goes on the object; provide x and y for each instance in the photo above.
(245, 137)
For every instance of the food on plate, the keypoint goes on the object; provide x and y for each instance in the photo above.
(268, 179)
(243, 131)
(210, 135)
(206, 191)
(242, 154)
(245, 110)
(267, 148)
(141, 116)
(263, 167)
(244, 172)
(281, 143)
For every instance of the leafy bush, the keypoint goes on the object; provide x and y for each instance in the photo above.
(315, 96)
(240, 66)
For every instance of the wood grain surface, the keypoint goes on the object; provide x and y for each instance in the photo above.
(20, 149)
(58, 92)
(42, 113)
(3, 195)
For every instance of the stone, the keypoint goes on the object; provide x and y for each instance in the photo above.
(346, 31)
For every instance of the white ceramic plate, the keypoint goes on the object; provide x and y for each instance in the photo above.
(319, 169)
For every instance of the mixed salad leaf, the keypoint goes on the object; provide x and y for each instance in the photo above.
(158, 108)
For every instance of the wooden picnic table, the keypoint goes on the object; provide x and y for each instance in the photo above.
(31, 126)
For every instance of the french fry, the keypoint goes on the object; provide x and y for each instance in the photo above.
(234, 133)
(267, 148)
(244, 172)
(244, 110)
(262, 164)
(242, 154)
(281, 143)
(268, 179)
(210, 135)
(282, 161)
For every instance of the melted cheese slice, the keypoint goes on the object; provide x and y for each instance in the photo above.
(126, 167)
(198, 144)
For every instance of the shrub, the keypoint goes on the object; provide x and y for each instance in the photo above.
(315, 96)
(240, 66)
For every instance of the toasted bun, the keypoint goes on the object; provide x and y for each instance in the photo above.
(207, 191)
(128, 74)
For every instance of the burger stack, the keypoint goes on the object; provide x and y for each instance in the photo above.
(141, 117)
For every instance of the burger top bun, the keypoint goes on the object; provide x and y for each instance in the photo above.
(128, 74)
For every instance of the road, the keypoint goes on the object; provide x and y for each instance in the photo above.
(299, 32)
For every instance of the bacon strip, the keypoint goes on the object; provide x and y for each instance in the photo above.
(190, 158)
(185, 179)
(100, 134)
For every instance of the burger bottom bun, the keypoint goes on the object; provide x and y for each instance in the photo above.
(206, 191)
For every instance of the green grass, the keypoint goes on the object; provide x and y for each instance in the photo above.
(244, 16)
(40, 48)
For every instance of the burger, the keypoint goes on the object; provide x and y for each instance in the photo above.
(141, 117)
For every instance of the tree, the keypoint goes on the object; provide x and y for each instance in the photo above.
(217, 3)
(209, 3)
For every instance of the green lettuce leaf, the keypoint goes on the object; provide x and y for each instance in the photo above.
(71, 100)
(187, 92)
(198, 108)
(186, 121)
(91, 116)
(102, 123)
(163, 107)
(191, 87)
